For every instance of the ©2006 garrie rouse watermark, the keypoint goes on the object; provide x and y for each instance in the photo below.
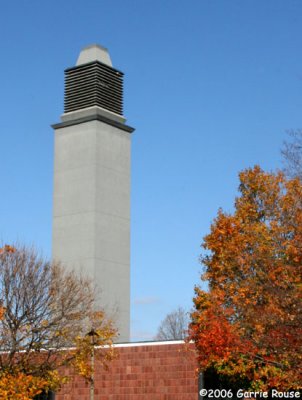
(243, 394)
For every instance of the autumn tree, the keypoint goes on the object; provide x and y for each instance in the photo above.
(46, 313)
(248, 325)
(174, 325)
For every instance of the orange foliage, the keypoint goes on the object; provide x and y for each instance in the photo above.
(250, 322)
(2, 311)
(7, 249)
(19, 386)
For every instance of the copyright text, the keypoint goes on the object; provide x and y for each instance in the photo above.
(243, 394)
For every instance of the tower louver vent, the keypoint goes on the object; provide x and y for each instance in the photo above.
(93, 84)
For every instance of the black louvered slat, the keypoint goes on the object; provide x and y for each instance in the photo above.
(90, 95)
(93, 84)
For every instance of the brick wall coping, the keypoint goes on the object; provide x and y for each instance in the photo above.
(118, 345)
(151, 343)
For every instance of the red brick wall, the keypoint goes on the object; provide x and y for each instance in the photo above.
(164, 371)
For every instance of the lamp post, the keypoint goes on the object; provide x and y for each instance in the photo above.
(92, 334)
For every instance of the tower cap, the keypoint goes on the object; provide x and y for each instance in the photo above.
(94, 52)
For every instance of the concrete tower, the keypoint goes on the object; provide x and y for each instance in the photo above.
(91, 220)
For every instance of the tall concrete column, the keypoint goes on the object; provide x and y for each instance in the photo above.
(91, 217)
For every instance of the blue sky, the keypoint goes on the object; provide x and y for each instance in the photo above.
(211, 87)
